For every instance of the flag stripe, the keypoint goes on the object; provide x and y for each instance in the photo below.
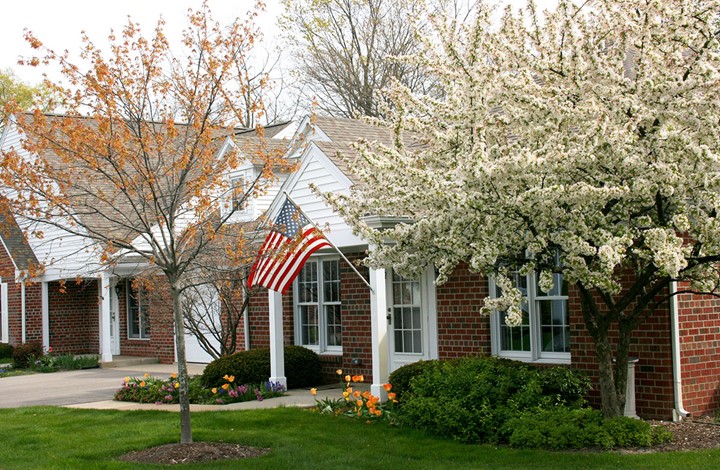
(283, 254)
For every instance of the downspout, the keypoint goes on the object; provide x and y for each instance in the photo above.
(679, 412)
(246, 326)
(22, 310)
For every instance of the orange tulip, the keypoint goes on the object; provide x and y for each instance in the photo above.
(226, 386)
(391, 396)
(313, 391)
(387, 387)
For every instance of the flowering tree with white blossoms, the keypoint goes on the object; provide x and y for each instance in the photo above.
(587, 135)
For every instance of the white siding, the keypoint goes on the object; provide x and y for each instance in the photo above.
(318, 170)
(62, 253)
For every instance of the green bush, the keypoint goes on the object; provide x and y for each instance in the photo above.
(471, 399)
(566, 428)
(401, 377)
(6, 350)
(302, 367)
(25, 354)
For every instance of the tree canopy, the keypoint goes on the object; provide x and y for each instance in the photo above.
(23, 95)
(133, 166)
(582, 142)
(347, 51)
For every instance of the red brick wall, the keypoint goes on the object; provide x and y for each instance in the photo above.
(651, 344)
(74, 317)
(33, 312)
(161, 344)
(700, 352)
(462, 331)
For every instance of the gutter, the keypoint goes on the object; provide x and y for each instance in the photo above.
(679, 412)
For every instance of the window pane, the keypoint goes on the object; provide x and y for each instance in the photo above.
(307, 283)
(137, 313)
(309, 325)
(331, 281)
(555, 329)
(334, 325)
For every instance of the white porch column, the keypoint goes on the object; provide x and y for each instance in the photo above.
(45, 312)
(277, 348)
(105, 320)
(379, 328)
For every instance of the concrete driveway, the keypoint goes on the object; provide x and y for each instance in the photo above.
(76, 387)
(94, 388)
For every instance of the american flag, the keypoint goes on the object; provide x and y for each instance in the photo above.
(292, 239)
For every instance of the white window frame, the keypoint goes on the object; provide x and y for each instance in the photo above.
(246, 177)
(536, 354)
(141, 336)
(322, 346)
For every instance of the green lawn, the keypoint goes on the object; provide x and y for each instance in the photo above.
(44, 437)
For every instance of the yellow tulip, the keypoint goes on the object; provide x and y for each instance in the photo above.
(313, 391)
(214, 390)
(147, 375)
(142, 384)
(226, 386)
(347, 378)
(177, 385)
(338, 372)
(231, 378)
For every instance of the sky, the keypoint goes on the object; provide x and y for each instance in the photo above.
(59, 23)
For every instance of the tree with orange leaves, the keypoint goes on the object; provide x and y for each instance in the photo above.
(132, 166)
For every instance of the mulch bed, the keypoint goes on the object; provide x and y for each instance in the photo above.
(193, 453)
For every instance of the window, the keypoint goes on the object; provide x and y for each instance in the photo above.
(137, 311)
(544, 334)
(238, 202)
(318, 306)
(235, 204)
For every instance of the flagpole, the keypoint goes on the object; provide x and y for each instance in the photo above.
(330, 242)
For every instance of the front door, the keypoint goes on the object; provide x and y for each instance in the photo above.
(408, 321)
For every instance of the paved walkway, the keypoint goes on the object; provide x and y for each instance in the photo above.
(94, 388)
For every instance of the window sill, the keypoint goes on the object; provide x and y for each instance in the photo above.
(138, 339)
(555, 360)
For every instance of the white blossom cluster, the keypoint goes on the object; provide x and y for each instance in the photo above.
(591, 131)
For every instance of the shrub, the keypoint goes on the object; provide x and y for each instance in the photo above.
(565, 428)
(25, 354)
(302, 367)
(401, 377)
(471, 399)
(6, 350)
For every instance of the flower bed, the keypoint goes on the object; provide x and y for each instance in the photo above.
(148, 389)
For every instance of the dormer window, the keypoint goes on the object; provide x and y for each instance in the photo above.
(238, 201)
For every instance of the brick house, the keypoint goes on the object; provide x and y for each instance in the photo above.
(330, 310)
(77, 304)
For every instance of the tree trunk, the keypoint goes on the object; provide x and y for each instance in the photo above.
(183, 396)
(613, 377)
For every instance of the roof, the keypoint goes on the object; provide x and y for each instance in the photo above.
(16, 244)
(101, 205)
(344, 132)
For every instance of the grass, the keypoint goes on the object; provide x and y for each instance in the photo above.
(59, 438)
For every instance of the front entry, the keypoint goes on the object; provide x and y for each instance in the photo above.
(411, 320)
